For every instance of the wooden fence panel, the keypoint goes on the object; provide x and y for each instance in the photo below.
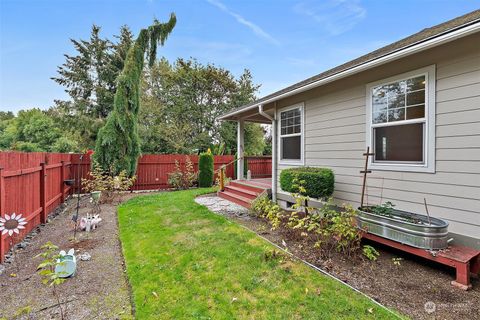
(23, 189)
(32, 184)
(260, 166)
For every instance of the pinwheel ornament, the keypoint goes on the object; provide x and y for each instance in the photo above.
(12, 224)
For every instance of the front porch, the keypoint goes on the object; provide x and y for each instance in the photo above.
(242, 190)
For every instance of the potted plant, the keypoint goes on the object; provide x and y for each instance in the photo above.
(96, 195)
(416, 230)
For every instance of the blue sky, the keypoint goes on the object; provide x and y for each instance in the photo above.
(281, 41)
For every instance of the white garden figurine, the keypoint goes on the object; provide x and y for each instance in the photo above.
(90, 222)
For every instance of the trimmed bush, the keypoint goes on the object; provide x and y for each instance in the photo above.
(205, 167)
(318, 182)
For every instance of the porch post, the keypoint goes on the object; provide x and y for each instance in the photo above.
(240, 149)
(274, 157)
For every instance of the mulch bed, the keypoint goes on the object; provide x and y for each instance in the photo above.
(98, 290)
(406, 286)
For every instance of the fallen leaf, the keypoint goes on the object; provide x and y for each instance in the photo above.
(234, 299)
(155, 294)
(370, 310)
(306, 290)
(13, 275)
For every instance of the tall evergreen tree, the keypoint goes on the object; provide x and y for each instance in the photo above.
(118, 145)
(89, 78)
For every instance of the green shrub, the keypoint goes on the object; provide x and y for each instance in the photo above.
(205, 167)
(263, 207)
(317, 182)
(181, 179)
(370, 252)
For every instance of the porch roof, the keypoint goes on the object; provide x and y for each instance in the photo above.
(425, 39)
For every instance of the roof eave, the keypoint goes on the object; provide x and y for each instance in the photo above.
(447, 36)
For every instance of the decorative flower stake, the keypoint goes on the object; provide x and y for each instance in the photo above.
(12, 224)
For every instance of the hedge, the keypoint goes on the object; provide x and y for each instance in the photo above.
(205, 166)
(318, 182)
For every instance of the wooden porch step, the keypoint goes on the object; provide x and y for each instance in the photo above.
(243, 201)
(242, 192)
(246, 186)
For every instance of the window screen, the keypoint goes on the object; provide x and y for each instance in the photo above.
(399, 143)
(291, 148)
(291, 134)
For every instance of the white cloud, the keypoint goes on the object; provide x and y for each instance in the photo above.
(249, 24)
(335, 16)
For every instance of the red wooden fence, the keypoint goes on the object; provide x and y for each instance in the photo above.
(260, 166)
(31, 184)
(153, 169)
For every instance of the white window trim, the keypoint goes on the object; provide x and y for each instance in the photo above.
(302, 135)
(429, 136)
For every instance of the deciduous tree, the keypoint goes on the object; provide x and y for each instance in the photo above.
(181, 102)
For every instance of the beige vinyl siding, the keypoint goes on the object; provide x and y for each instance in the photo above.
(335, 138)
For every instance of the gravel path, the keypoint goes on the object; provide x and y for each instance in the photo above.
(222, 206)
(99, 289)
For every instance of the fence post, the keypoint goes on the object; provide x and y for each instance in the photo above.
(222, 177)
(43, 195)
(2, 212)
(62, 185)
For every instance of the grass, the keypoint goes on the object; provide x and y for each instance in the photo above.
(185, 262)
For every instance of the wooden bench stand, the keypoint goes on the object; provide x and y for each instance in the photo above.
(465, 260)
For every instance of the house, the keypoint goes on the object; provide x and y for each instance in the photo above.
(415, 103)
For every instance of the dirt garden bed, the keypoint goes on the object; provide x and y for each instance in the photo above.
(98, 290)
(397, 280)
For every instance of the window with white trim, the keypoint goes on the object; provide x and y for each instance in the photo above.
(290, 134)
(401, 115)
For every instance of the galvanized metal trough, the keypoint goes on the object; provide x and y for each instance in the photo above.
(412, 229)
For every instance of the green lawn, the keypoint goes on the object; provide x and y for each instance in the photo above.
(185, 262)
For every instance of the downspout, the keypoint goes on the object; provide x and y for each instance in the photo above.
(274, 149)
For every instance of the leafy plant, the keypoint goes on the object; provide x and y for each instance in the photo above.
(263, 207)
(46, 270)
(317, 182)
(110, 186)
(385, 209)
(183, 179)
(329, 227)
(205, 167)
(344, 231)
(370, 253)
